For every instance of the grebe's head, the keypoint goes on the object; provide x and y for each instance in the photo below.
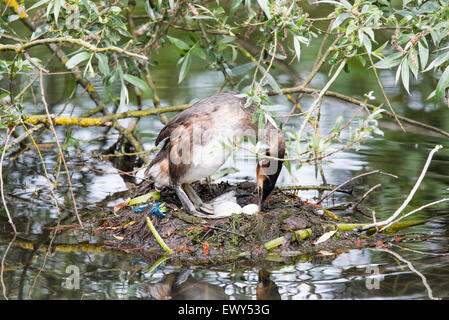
(267, 172)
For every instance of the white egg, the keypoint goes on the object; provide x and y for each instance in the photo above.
(250, 209)
(226, 209)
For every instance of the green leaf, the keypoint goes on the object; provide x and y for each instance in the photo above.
(179, 43)
(124, 98)
(49, 9)
(390, 61)
(92, 8)
(235, 6)
(370, 33)
(367, 44)
(219, 11)
(151, 196)
(255, 115)
(338, 124)
(87, 6)
(139, 83)
(362, 60)
(405, 75)
(37, 4)
(149, 10)
(346, 4)
(77, 59)
(200, 53)
(297, 44)
(70, 141)
(423, 50)
(227, 39)
(442, 84)
(398, 73)
(438, 61)
(119, 23)
(288, 166)
(271, 81)
(361, 37)
(413, 67)
(340, 19)
(185, 67)
(244, 68)
(103, 64)
(378, 50)
(264, 5)
(234, 53)
(350, 29)
(57, 7)
(261, 120)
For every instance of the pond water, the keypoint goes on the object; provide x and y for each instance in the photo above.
(409, 270)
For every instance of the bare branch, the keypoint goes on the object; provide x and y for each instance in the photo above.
(20, 48)
(1, 180)
(392, 219)
(365, 195)
(59, 148)
(354, 178)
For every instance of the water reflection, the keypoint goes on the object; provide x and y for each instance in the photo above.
(185, 285)
(182, 286)
(29, 270)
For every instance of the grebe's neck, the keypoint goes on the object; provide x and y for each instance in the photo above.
(268, 169)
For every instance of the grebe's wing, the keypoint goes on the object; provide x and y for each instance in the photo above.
(198, 111)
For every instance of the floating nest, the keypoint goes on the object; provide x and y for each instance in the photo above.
(231, 237)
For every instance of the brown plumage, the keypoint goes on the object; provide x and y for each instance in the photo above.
(194, 147)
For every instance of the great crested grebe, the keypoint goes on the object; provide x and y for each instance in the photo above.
(195, 144)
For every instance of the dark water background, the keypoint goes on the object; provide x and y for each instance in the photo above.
(356, 274)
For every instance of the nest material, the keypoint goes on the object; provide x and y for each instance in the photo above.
(284, 213)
